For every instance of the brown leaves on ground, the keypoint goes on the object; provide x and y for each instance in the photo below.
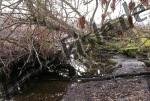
(133, 89)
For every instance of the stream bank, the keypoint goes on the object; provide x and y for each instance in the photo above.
(120, 89)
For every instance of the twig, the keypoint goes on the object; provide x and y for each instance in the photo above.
(85, 3)
(37, 55)
(23, 67)
(107, 6)
(91, 20)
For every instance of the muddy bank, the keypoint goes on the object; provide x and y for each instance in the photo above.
(133, 89)
(121, 89)
(117, 89)
(128, 65)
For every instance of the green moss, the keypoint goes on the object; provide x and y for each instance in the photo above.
(133, 48)
(112, 62)
(145, 41)
(130, 52)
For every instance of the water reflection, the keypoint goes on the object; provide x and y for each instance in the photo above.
(43, 90)
(1, 94)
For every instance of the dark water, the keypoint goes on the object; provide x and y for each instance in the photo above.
(43, 87)
(43, 90)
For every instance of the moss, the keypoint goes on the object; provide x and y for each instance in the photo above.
(145, 41)
(147, 63)
(131, 52)
(112, 62)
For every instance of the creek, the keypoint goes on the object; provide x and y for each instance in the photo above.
(45, 89)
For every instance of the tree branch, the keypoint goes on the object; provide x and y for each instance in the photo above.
(91, 20)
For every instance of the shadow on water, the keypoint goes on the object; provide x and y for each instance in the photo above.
(35, 84)
(43, 89)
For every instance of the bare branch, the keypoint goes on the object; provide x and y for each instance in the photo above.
(91, 20)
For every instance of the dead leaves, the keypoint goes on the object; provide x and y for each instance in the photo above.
(113, 5)
(131, 6)
(130, 20)
(103, 2)
(81, 22)
(103, 16)
(144, 2)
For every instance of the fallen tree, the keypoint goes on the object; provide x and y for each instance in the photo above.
(43, 39)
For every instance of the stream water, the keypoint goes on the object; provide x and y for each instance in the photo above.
(128, 65)
(44, 89)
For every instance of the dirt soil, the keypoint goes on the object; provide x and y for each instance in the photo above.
(129, 89)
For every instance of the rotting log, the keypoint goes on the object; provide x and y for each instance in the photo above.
(114, 77)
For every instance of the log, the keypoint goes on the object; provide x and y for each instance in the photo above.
(110, 77)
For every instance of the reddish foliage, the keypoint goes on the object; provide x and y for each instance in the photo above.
(130, 20)
(120, 34)
(103, 16)
(103, 2)
(131, 6)
(144, 2)
(113, 5)
(81, 22)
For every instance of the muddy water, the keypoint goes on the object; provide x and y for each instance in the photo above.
(1, 92)
(43, 90)
(1, 96)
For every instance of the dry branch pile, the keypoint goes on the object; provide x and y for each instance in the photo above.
(27, 49)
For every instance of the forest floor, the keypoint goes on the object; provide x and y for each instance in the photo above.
(129, 89)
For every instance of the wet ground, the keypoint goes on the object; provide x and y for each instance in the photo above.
(121, 89)
(133, 89)
(128, 65)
